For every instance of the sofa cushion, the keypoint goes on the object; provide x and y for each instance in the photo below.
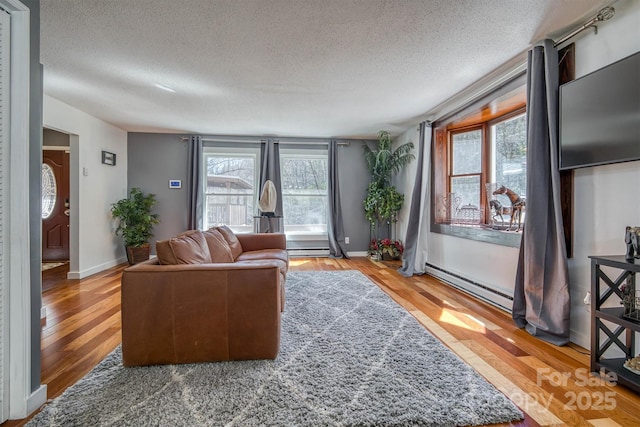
(232, 240)
(280, 256)
(187, 248)
(218, 246)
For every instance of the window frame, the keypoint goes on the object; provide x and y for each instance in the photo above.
(231, 152)
(483, 118)
(310, 153)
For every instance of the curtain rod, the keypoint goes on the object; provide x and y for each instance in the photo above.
(257, 141)
(604, 14)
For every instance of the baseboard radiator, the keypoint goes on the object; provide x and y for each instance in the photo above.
(473, 288)
(308, 252)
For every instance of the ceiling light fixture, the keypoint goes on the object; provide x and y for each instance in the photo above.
(163, 87)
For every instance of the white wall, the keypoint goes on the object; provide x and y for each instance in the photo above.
(606, 198)
(404, 181)
(93, 245)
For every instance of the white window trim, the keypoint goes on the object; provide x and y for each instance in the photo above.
(232, 152)
(301, 153)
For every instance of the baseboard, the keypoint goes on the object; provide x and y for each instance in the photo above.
(37, 399)
(76, 275)
(582, 339)
(308, 252)
(478, 290)
(43, 313)
(357, 253)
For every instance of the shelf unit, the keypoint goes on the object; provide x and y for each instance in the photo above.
(602, 288)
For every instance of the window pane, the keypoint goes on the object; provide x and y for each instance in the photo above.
(228, 210)
(233, 175)
(467, 189)
(304, 191)
(49, 191)
(230, 188)
(509, 154)
(305, 213)
(467, 152)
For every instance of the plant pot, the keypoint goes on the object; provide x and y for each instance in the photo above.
(137, 254)
(388, 257)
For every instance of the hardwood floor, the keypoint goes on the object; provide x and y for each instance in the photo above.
(550, 384)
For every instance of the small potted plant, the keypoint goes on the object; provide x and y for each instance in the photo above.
(135, 223)
(385, 249)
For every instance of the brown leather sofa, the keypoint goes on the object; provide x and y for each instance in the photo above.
(203, 301)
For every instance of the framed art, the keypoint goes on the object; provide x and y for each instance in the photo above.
(108, 158)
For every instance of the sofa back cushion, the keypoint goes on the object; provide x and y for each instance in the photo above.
(189, 247)
(218, 246)
(232, 240)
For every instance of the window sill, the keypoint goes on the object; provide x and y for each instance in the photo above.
(480, 233)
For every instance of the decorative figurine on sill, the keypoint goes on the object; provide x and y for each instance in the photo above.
(632, 239)
(517, 204)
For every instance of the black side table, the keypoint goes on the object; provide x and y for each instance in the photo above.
(602, 288)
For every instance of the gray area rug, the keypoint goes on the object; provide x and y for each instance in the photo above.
(350, 356)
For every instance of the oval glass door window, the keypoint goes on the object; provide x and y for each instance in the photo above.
(49, 191)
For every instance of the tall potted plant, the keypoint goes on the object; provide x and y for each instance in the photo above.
(135, 223)
(383, 201)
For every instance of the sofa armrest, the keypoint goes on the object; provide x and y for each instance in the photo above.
(200, 312)
(258, 241)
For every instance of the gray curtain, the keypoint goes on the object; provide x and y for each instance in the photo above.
(270, 170)
(414, 257)
(195, 183)
(336, 229)
(541, 300)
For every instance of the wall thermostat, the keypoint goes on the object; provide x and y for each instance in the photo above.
(175, 183)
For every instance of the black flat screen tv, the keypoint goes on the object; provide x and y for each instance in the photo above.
(600, 116)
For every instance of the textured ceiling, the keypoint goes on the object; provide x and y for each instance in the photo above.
(322, 68)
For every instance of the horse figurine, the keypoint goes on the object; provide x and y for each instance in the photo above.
(517, 204)
(497, 208)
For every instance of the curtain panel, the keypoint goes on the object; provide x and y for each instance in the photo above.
(335, 225)
(195, 167)
(541, 298)
(270, 170)
(414, 257)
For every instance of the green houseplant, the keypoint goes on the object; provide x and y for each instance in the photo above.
(383, 201)
(135, 223)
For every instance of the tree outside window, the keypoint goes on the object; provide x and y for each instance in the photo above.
(304, 178)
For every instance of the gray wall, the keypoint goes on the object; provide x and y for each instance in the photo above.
(35, 166)
(354, 179)
(54, 138)
(156, 158)
(153, 159)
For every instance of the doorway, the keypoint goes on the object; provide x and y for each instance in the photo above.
(55, 197)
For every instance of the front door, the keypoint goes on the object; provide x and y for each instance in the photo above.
(55, 205)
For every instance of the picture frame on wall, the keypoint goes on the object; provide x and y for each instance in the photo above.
(108, 158)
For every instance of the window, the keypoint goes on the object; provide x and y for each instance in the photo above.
(304, 177)
(231, 181)
(470, 187)
(509, 153)
(49, 191)
(466, 166)
(475, 153)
